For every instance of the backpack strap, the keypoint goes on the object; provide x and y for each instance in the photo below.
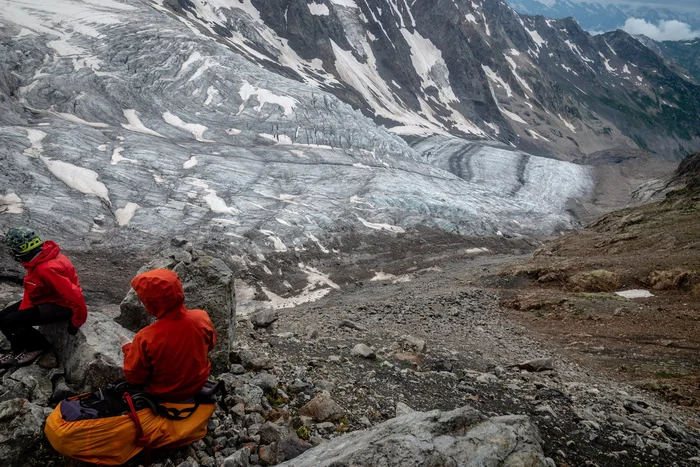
(141, 438)
(171, 413)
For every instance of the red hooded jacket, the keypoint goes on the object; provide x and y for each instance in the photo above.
(51, 278)
(170, 355)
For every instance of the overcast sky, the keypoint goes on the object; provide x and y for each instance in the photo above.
(684, 4)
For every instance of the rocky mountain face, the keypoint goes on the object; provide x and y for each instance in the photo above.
(475, 69)
(685, 55)
(593, 16)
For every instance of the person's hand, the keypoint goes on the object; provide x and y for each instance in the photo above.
(123, 340)
(72, 330)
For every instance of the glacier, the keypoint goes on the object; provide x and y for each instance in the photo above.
(138, 148)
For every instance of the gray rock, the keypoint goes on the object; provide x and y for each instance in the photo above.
(265, 381)
(62, 391)
(322, 408)
(283, 451)
(362, 350)
(48, 360)
(29, 382)
(208, 284)
(322, 385)
(487, 378)
(414, 344)
(21, 429)
(627, 423)
(537, 364)
(297, 386)
(545, 409)
(251, 397)
(459, 437)
(326, 427)
(403, 409)
(236, 369)
(346, 323)
(93, 357)
(272, 433)
(263, 318)
(255, 362)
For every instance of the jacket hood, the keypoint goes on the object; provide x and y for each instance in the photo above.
(50, 250)
(160, 291)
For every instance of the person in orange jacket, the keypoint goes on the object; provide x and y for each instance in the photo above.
(170, 356)
(52, 294)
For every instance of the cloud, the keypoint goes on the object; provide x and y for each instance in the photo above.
(665, 31)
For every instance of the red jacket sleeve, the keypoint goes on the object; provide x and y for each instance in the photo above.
(70, 292)
(137, 367)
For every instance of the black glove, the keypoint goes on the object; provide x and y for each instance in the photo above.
(72, 330)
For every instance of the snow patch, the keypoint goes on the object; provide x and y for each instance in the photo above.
(190, 163)
(196, 129)
(319, 285)
(35, 138)
(536, 38)
(476, 251)
(375, 226)
(276, 242)
(117, 157)
(536, 135)
(215, 203)
(74, 119)
(514, 67)
(346, 3)
(79, 178)
(125, 214)
(635, 293)
(318, 9)
(135, 123)
(211, 94)
(493, 76)
(265, 97)
(317, 242)
(567, 124)
(11, 204)
(233, 131)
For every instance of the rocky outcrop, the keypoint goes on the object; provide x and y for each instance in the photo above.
(208, 284)
(30, 382)
(21, 429)
(93, 357)
(599, 280)
(458, 437)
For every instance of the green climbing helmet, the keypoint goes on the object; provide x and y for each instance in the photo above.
(22, 240)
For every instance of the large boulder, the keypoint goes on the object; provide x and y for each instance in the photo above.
(21, 429)
(458, 437)
(93, 357)
(208, 284)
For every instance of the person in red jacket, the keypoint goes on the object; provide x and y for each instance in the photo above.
(52, 294)
(170, 356)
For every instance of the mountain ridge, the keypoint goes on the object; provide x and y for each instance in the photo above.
(597, 17)
(471, 69)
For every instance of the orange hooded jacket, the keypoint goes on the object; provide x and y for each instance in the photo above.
(170, 355)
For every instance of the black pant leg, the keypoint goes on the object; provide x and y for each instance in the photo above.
(6, 322)
(17, 325)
